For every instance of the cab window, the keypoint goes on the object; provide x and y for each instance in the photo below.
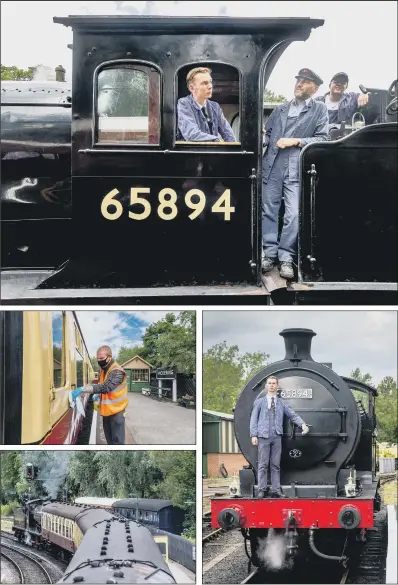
(221, 84)
(58, 334)
(128, 104)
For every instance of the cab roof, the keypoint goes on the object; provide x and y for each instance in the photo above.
(177, 25)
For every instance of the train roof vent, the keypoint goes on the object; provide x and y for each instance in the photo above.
(298, 344)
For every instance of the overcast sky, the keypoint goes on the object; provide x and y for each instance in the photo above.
(359, 38)
(347, 339)
(116, 328)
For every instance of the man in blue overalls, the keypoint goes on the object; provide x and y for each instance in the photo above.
(342, 104)
(291, 126)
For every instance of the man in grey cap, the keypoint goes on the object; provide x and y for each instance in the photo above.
(290, 127)
(341, 104)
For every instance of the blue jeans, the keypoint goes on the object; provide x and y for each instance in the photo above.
(277, 185)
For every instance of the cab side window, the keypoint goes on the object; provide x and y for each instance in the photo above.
(128, 104)
(217, 86)
(58, 332)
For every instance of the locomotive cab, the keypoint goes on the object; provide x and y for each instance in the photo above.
(151, 210)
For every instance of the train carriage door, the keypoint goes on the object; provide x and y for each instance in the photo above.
(150, 209)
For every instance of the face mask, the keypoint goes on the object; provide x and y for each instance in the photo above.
(102, 363)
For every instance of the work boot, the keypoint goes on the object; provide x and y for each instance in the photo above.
(261, 494)
(277, 494)
(267, 264)
(286, 270)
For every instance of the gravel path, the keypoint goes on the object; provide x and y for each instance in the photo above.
(224, 559)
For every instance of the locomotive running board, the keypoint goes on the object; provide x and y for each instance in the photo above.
(20, 287)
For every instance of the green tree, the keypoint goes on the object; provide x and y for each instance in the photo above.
(386, 411)
(270, 96)
(127, 353)
(225, 373)
(177, 347)
(364, 378)
(10, 475)
(13, 73)
(179, 483)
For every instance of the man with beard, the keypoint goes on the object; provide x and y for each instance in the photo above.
(290, 127)
(112, 391)
(341, 104)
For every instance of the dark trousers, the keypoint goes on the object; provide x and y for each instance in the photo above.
(114, 428)
(269, 451)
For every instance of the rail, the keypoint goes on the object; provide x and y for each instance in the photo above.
(30, 557)
(15, 565)
(212, 535)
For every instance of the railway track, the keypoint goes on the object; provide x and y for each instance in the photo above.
(257, 576)
(212, 535)
(10, 560)
(30, 570)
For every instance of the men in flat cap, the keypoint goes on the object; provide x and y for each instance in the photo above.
(290, 127)
(341, 104)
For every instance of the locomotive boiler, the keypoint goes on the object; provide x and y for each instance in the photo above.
(328, 476)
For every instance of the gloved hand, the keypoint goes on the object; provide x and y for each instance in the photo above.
(75, 393)
(305, 429)
(254, 441)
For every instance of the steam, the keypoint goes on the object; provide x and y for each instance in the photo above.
(44, 73)
(272, 550)
(53, 467)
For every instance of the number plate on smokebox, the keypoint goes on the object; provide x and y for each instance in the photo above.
(297, 393)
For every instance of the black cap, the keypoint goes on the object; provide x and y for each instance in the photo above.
(308, 74)
(340, 75)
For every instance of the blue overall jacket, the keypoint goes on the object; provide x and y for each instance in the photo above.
(259, 420)
(193, 126)
(312, 126)
(348, 105)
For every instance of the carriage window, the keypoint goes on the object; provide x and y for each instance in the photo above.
(213, 85)
(58, 328)
(128, 104)
(79, 370)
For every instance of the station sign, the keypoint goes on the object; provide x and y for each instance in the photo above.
(166, 373)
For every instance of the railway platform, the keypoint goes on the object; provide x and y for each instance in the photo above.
(151, 422)
(180, 573)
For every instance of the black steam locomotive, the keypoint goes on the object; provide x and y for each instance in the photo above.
(105, 164)
(327, 475)
(103, 545)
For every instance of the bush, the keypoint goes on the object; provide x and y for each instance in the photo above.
(7, 509)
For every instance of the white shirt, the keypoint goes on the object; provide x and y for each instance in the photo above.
(269, 398)
(332, 105)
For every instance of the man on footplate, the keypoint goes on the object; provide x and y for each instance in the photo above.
(266, 429)
(111, 392)
(290, 127)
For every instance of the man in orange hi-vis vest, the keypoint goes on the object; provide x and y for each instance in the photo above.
(112, 391)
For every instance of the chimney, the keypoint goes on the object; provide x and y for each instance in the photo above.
(298, 344)
(60, 73)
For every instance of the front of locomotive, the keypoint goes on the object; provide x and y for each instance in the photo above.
(317, 476)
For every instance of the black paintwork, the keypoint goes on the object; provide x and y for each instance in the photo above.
(11, 377)
(354, 223)
(335, 431)
(208, 250)
(43, 229)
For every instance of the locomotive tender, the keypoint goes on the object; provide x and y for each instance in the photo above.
(327, 475)
(104, 165)
(104, 545)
